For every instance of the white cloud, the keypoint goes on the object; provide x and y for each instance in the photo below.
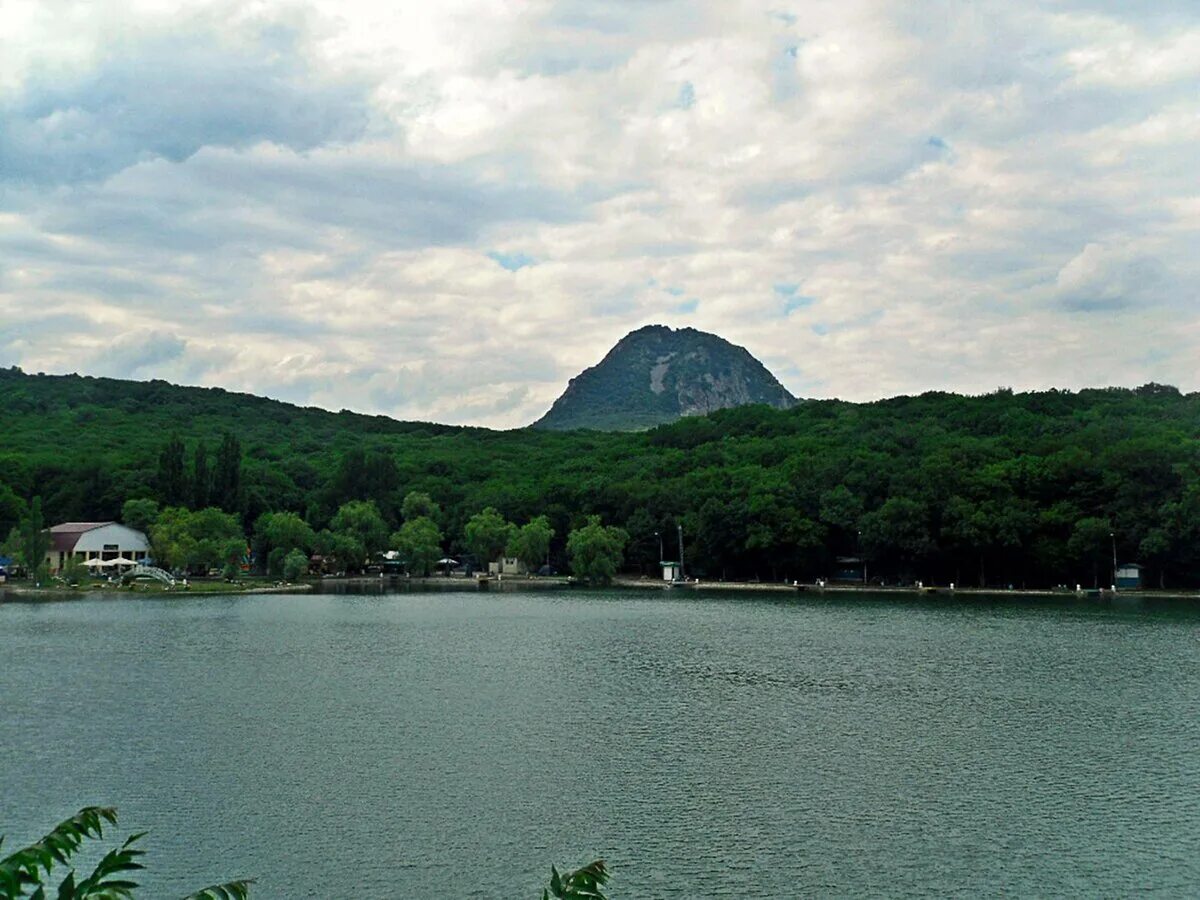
(445, 211)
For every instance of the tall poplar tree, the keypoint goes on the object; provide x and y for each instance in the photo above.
(172, 478)
(201, 479)
(227, 475)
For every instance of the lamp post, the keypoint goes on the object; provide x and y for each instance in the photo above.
(861, 558)
(1113, 537)
(682, 576)
(661, 557)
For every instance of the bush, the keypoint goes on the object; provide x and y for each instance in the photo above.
(295, 564)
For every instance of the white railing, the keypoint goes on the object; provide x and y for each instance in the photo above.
(152, 572)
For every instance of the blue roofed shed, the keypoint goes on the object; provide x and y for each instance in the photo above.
(1129, 575)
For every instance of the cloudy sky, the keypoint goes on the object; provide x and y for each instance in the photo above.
(444, 210)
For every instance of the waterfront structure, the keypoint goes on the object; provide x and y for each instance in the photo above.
(507, 565)
(94, 541)
(1129, 575)
(671, 571)
(850, 569)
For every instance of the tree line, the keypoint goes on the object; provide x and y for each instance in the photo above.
(1029, 489)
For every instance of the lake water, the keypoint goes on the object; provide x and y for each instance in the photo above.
(456, 744)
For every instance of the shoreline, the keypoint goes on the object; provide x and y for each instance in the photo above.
(199, 588)
(25, 592)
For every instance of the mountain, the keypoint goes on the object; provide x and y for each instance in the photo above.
(656, 375)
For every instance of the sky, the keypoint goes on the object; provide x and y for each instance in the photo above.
(443, 211)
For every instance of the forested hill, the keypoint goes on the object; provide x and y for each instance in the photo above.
(1018, 488)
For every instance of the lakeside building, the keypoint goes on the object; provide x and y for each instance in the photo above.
(507, 565)
(1129, 575)
(850, 569)
(94, 540)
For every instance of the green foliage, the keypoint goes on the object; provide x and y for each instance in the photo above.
(200, 539)
(32, 866)
(361, 529)
(34, 542)
(12, 508)
(226, 491)
(295, 565)
(140, 513)
(419, 541)
(172, 477)
(230, 890)
(487, 535)
(1003, 479)
(201, 478)
(531, 543)
(275, 561)
(73, 572)
(284, 530)
(596, 551)
(586, 883)
(418, 504)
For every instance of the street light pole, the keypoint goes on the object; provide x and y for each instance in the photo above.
(1113, 537)
(682, 576)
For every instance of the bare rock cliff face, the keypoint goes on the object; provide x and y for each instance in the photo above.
(656, 375)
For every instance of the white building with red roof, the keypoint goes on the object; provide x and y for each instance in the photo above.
(94, 540)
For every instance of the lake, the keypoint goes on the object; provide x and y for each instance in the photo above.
(456, 744)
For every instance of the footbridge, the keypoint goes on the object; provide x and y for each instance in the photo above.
(151, 572)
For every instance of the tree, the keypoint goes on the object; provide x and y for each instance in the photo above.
(201, 479)
(360, 522)
(275, 561)
(196, 539)
(418, 504)
(898, 531)
(139, 513)
(841, 508)
(1155, 549)
(344, 551)
(531, 543)
(74, 571)
(419, 541)
(295, 564)
(172, 479)
(596, 551)
(34, 541)
(1091, 544)
(487, 535)
(12, 508)
(34, 866)
(284, 530)
(227, 474)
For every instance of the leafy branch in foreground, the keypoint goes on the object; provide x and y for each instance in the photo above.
(582, 884)
(31, 867)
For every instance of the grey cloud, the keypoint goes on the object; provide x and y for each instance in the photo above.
(134, 352)
(221, 198)
(1104, 279)
(168, 96)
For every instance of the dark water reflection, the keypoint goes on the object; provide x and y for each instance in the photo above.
(454, 744)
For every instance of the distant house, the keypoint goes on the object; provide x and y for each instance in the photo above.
(850, 568)
(94, 540)
(507, 565)
(1129, 575)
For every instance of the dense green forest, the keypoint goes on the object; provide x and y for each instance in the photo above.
(1006, 488)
